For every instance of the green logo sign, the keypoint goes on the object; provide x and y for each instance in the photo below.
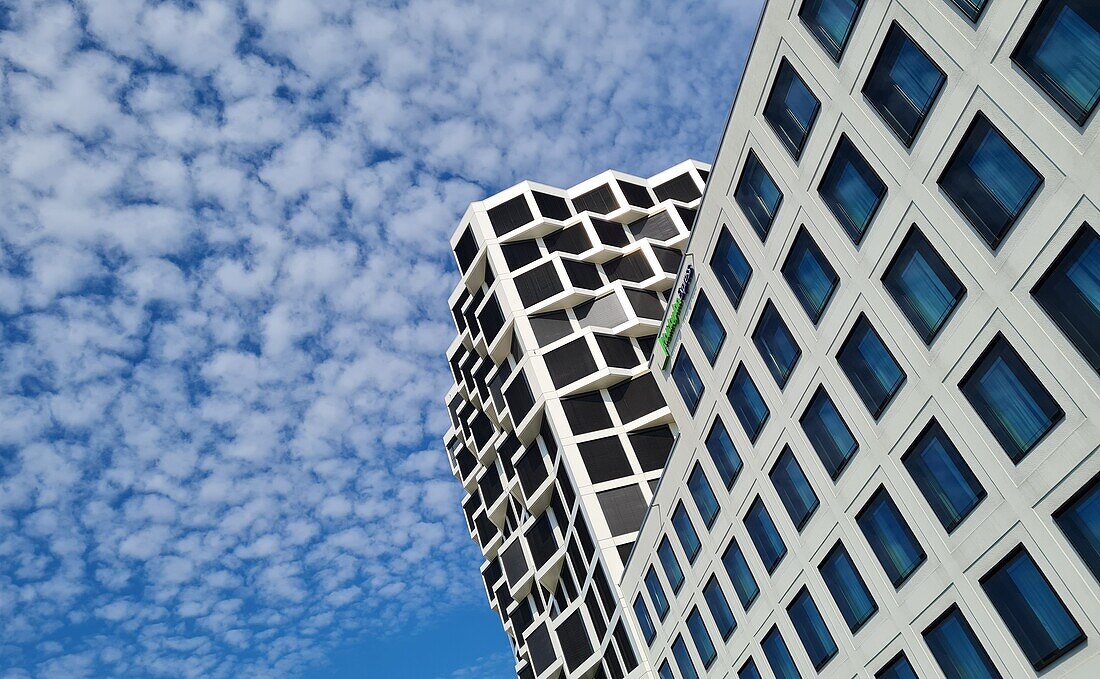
(674, 311)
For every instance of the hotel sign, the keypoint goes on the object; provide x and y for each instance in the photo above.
(674, 312)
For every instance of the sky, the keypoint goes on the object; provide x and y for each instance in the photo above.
(224, 267)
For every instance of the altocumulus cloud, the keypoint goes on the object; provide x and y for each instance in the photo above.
(223, 272)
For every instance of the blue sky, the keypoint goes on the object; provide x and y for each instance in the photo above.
(223, 282)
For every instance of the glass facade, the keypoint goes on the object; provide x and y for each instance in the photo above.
(779, 656)
(749, 671)
(989, 181)
(1079, 519)
(764, 535)
(791, 109)
(1070, 294)
(847, 587)
(811, 629)
(737, 568)
(830, 22)
(707, 328)
(730, 267)
(747, 403)
(957, 650)
(685, 532)
(723, 454)
(890, 538)
(1061, 53)
(703, 495)
(758, 195)
(828, 433)
(870, 367)
(687, 380)
(1032, 611)
(719, 608)
(671, 565)
(971, 8)
(683, 659)
(1011, 401)
(665, 671)
(943, 477)
(903, 85)
(851, 190)
(794, 488)
(776, 344)
(645, 623)
(923, 286)
(811, 277)
(898, 668)
(704, 646)
(656, 592)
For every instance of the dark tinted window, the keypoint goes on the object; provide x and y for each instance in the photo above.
(811, 277)
(870, 367)
(1061, 53)
(923, 286)
(599, 200)
(747, 403)
(831, 22)
(847, 587)
(943, 477)
(903, 84)
(1079, 519)
(956, 648)
(776, 344)
(828, 433)
(1070, 294)
(890, 538)
(851, 189)
(758, 195)
(794, 488)
(791, 109)
(730, 267)
(811, 629)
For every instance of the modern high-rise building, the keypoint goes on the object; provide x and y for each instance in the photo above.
(559, 430)
(884, 368)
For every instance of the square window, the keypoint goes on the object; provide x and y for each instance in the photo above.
(956, 648)
(701, 638)
(685, 532)
(776, 344)
(1079, 520)
(703, 495)
(831, 22)
(811, 629)
(723, 454)
(1031, 609)
(791, 109)
(730, 267)
(811, 277)
(943, 477)
(870, 367)
(749, 671)
(898, 668)
(719, 607)
(683, 659)
(665, 671)
(656, 593)
(903, 84)
(851, 189)
(737, 568)
(687, 381)
(828, 433)
(847, 587)
(794, 489)
(758, 195)
(707, 328)
(923, 286)
(1011, 401)
(989, 181)
(644, 621)
(1070, 294)
(971, 8)
(890, 538)
(779, 656)
(769, 545)
(1061, 53)
(747, 403)
(671, 565)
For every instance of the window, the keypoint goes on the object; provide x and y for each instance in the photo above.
(831, 22)
(687, 381)
(847, 587)
(719, 608)
(811, 277)
(656, 593)
(870, 367)
(898, 668)
(942, 476)
(890, 538)
(707, 328)
(747, 403)
(793, 488)
(903, 84)
(811, 629)
(1010, 399)
(1032, 611)
(1070, 294)
(740, 575)
(644, 621)
(703, 495)
(923, 286)
(791, 109)
(971, 8)
(1079, 519)
(989, 181)
(683, 659)
(701, 638)
(749, 671)
(730, 267)
(769, 545)
(665, 671)
(1061, 53)
(956, 648)
(685, 532)
(723, 454)
(758, 195)
(671, 566)
(851, 190)
(828, 433)
(776, 344)
(779, 656)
